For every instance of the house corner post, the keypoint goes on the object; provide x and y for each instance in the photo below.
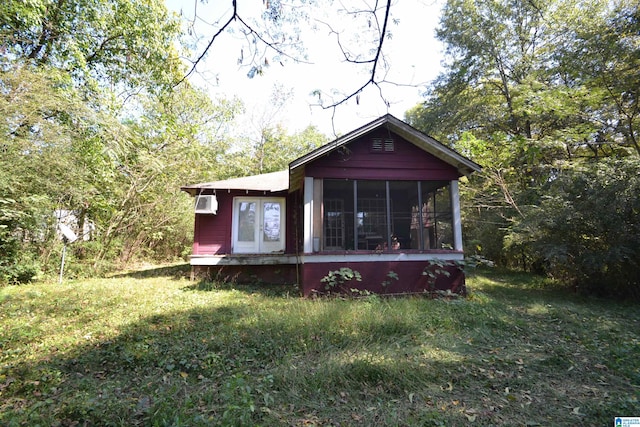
(457, 221)
(307, 219)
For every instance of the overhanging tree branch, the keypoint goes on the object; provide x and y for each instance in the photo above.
(375, 61)
(235, 16)
(378, 22)
(211, 40)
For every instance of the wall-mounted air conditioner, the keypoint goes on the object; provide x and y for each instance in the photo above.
(207, 204)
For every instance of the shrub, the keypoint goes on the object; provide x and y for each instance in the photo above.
(586, 230)
(19, 270)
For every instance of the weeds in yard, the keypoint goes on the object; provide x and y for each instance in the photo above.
(337, 281)
(161, 351)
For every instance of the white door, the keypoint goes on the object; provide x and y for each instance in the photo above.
(258, 225)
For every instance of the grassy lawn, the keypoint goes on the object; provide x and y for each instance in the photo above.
(159, 350)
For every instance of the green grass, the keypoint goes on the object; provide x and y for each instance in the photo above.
(156, 350)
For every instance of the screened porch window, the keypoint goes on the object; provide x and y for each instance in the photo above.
(386, 215)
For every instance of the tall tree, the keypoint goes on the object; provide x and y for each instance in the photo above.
(121, 44)
(173, 142)
(92, 124)
(531, 89)
(272, 152)
(46, 131)
(602, 53)
(265, 145)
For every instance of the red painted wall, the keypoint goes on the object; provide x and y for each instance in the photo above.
(410, 277)
(407, 162)
(212, 233)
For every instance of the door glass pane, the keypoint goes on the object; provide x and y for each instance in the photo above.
(247, 222)
(271, 221)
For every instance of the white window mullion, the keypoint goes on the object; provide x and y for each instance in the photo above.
(308, 216)
(457, 222)
(388, 207)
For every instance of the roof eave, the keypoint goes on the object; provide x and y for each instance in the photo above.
(273, 182)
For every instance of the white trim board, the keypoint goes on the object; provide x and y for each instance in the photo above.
(276, 259)
(383, 257)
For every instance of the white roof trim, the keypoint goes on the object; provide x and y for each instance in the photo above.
(272, 182)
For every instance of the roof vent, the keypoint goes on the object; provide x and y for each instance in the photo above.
(379, 145)
(207, 204)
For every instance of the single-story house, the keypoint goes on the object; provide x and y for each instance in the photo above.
(380, 202)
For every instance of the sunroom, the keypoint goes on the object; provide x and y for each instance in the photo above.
(385, 215)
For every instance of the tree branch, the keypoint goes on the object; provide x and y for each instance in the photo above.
(375, 61)
(235, 16)
(211, 40)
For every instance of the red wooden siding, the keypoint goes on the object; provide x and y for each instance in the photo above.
(212, 233)
(358, 161)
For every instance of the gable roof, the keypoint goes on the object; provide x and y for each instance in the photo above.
(292, 179)
(411, 134)
(272, 182)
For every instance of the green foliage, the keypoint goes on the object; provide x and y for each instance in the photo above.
(586, 230)
(337, 280)
(477, 261)
(391, 275)
(271, 152)
(436, 269)
(531, 90)
(18, 268)
(169, 145)
(99, 42)
(47, 133)
(93, 125)
(240, 405)
(150, 348)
